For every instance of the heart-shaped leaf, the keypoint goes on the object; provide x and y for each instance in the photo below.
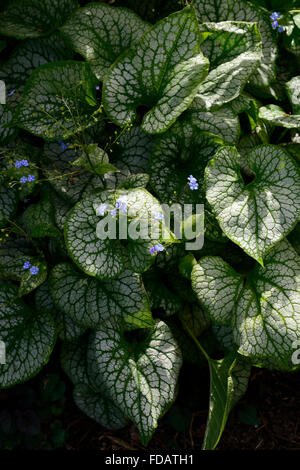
(32, 18)
(262, 309)
(58, 100)
(239, 10)
(258, 214)
(100, 33)
(29, 337)
(141, 379)
(162, 72)
(234, 52)
(89, 301)
(93, 242)
(96, 160)
(39, 219)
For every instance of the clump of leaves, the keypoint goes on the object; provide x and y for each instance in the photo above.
(113, 111)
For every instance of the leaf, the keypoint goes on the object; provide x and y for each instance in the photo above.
(162, 72)
(90, 400)
(32, 18)
(95, 160)
(54, 96)
(8, 203)
(97, 407)
(7, 130)
(293, 87)
(13, 254)
(71, 183)
(30, 54)
(100, 33)
(162, 295)
(239, 10)
(61, 210)
(39, 219)
(89, 302)
(228, 383)
(131, 154)
(234, 51)
(259, 214)
(104, 255)
(181, 151)
(140, 381)
(223, 122)
(29, 337)
(30, 281)
(66, 328)
(262, 308)
(278, 117)
(139, 180)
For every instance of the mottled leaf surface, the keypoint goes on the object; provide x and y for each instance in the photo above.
(262, 308)
(259, 214)
(162, 72)
(142, 382)
(29, 337)
(100, 33)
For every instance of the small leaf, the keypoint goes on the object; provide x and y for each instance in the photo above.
(293, 87)
(95, 160)
(39, 219)
(278, 117)
(29, 337)
(100, 33)
(89, 302)
(162, 72)
(30, 281)
(142, 383)
(258, 214)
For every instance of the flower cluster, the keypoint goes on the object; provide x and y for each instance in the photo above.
(20, 163)
(274, 17)
(33, 269)
(156, 248)
(158, 216)
(192, 182)
(26, 179)
(120, 204)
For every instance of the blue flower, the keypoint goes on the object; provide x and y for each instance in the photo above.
(192, 182)
(280, 29)
(152, 250)
(62, 144)
(274, 24)
(101, 209)
(158, 216)
(274, 16)
(159, 247)
(18, 164)
(23, 179)
(12, 92)
(34, 270)
(120, 204)
(113, 212)
(26, 265)
(97, 87)
(31, 178)
(24, 162)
